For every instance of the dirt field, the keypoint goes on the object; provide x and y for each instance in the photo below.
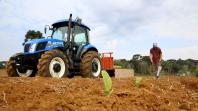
(49, 94)
(3, 73)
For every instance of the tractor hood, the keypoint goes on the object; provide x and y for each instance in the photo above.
(39, 45)
(36, 41)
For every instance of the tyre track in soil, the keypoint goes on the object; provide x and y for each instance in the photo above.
(165, 94)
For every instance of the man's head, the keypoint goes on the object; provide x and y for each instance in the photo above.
(154, 44)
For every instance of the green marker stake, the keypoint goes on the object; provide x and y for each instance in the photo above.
(107, 83)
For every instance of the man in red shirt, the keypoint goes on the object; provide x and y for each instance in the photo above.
(156, 57)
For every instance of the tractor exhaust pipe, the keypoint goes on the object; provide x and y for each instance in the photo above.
(69, 28)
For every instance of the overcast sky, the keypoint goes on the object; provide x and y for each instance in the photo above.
(125, 27)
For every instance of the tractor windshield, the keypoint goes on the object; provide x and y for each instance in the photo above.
(60, 33)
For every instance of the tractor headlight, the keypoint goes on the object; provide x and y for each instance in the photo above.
(32, 48)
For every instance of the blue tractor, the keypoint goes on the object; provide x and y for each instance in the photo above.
(67, 52)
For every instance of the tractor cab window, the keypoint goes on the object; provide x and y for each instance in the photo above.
(60, 33)
(80, 35)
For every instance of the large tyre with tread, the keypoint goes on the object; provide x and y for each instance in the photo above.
(90, 65)
(53, 64)
(12, 71)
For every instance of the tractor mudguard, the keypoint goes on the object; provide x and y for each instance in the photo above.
(83, 49)
(13, 57)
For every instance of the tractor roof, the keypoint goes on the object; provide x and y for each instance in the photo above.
(64, 22)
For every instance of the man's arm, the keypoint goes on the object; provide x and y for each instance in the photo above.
(160, 55)
(151, 58)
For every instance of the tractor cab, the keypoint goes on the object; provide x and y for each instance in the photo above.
(79, 32)
(74, 37)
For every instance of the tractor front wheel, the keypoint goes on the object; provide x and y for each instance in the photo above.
(12, 71)
(90, 65)
(53, 64)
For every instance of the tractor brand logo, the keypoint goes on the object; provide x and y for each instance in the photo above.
(51, 44)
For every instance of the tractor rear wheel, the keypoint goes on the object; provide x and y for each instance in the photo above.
(90, 65)
(53, 64)
(12, 71)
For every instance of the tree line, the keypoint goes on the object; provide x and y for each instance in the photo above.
(32, 34)
(143, 66)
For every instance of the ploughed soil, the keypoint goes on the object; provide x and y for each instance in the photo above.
(84, 94)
